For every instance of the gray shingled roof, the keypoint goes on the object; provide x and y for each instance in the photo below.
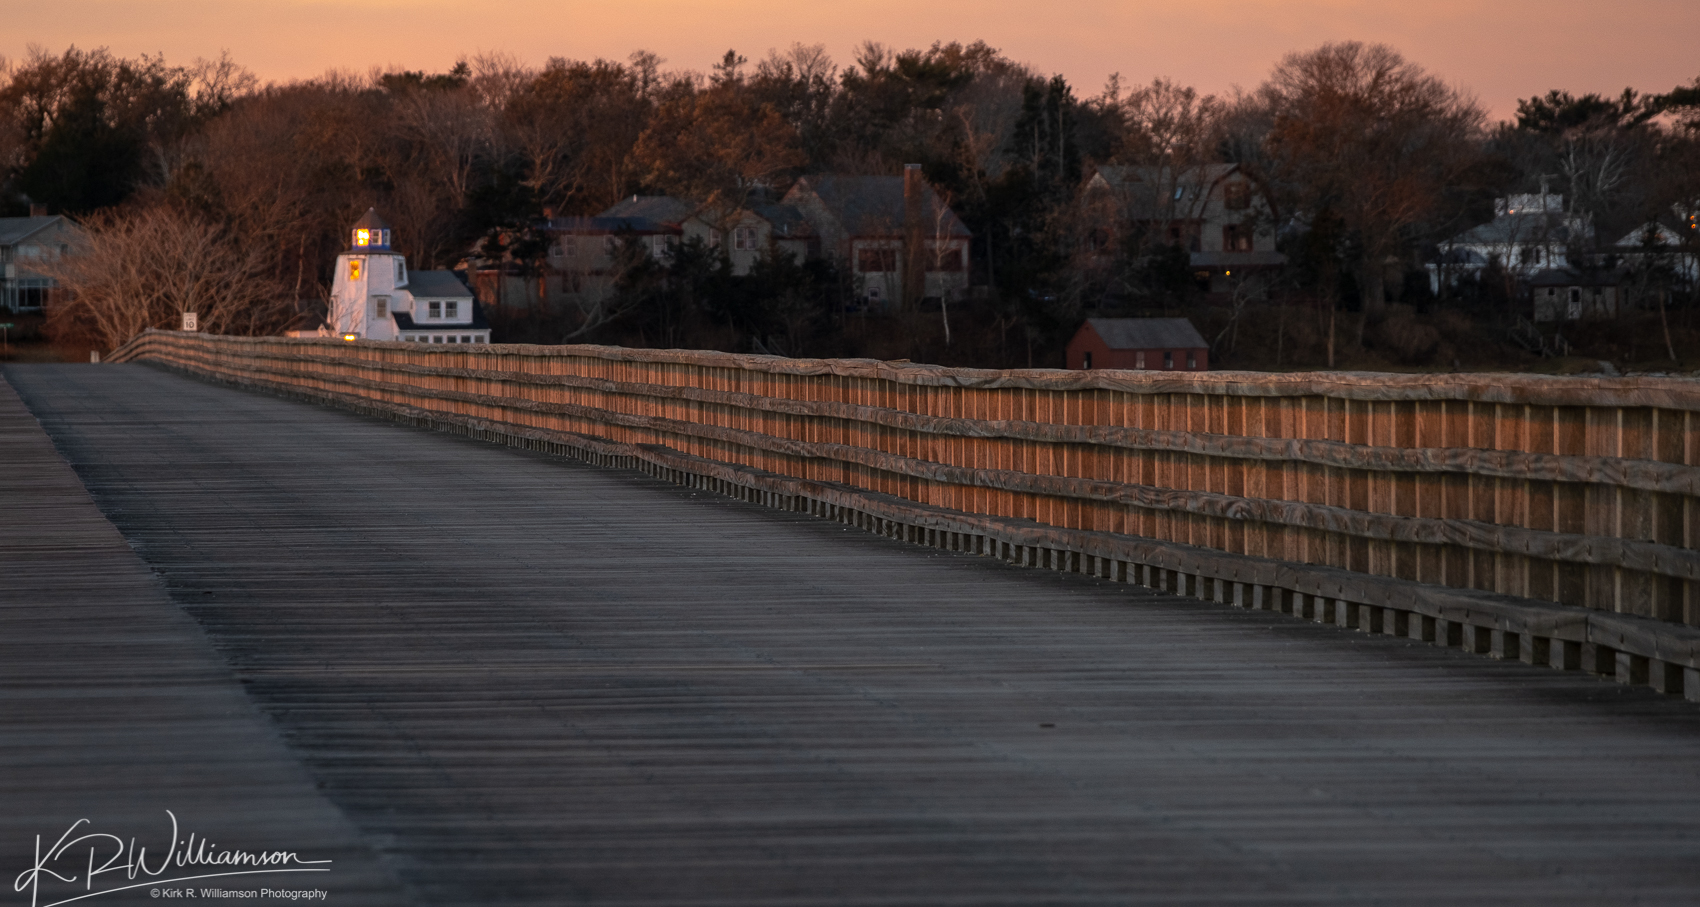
(663, 209)
(404, 321)
(1148, 333)
(873, 205)
(600, 225)
(16, 229)
(1518, 228)
(371, 220)
(436, 285)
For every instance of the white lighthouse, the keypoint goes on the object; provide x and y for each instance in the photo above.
(375, 297)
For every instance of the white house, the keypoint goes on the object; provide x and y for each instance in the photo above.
(1655, 243)
(375, 297)
(1528, 234)
(25, 242)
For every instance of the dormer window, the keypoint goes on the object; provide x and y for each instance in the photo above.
(453, 309)
(435, 310)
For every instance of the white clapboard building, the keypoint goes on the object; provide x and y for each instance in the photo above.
(375, 297)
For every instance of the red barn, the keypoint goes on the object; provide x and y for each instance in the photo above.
(1161, 344)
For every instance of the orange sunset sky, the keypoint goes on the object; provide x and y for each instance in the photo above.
(1500, 51)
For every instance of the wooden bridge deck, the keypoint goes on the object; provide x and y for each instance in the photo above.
(527, 681)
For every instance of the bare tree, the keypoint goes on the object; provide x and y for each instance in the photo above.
(1359, 132)
(144, 268)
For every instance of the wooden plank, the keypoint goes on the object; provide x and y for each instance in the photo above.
(539, 682)
(117, 708)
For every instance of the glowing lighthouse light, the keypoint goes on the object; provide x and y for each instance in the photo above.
(362, 238)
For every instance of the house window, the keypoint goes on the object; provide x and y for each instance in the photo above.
(1236, 196)
(382, 305)
(744, 239)
(876, 261)
(1191, 360)
(714, 239)
(453, 309)
(569, 246)
(436, 338)
(947, 260)
(1168, 358)
(434, 310)
(465, 339)
(1236, 238)
(1086, 360)
(1139, 359)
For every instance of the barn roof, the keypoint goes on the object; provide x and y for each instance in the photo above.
(1147, 333)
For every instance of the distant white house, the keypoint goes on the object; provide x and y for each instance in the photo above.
(1659, 242)
(25, 242)
(375, 297)
(1528, 234)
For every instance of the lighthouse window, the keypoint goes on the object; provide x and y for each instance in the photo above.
(400, 271)
(354, 269)
(453, 309)
(436, 310)
(383, 304)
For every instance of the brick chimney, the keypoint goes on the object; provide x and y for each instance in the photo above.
(38, 210)
(914, 236)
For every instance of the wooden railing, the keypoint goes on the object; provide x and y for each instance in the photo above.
(1580, 491)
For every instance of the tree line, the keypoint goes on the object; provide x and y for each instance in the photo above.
(1366, 161)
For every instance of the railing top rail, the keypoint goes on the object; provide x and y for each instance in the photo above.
(1537, 390)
